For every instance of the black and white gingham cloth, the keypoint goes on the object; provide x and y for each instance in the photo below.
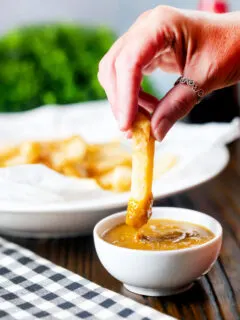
(34, 288)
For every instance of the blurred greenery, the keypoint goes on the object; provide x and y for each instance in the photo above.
(48, 64)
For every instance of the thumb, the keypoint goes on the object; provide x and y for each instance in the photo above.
(174, 106)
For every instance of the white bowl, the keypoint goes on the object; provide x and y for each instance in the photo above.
(159, 273)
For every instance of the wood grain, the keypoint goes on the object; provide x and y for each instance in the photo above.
(217, 295)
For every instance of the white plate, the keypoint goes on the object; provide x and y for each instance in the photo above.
(74, 216)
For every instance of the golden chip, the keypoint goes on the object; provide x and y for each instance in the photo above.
(140, 203)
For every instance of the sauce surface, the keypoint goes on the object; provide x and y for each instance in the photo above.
(159, 234)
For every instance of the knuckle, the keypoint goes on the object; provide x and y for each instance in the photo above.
(100, 72)
(104, 69)
(162, 10)
(119, 63)
(166, 13)
(100, 79)
(102, 64)
(126, 60)
(144, 15)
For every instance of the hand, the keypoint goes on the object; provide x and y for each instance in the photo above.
(201, 46)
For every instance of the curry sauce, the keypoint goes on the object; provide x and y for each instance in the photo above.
(159, 234)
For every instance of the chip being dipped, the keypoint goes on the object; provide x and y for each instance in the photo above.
(140, 203)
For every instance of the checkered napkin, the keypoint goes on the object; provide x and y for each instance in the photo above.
(34, 288)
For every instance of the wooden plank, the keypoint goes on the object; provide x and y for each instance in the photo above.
(230, 253)
(208, 301)
(226, 284)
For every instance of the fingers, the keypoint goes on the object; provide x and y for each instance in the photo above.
(140, 50)
(175, 105)
(147, 101)
(148, 44)
(107, 67)
(106, 70)
(120, 71)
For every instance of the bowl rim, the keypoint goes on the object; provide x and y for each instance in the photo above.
(218, 237)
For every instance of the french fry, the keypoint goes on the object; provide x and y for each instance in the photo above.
(74, 149)
(27, 153)
(67, 152)
(74, 170)
(140, 203)
(109, 164)
(117, 180)
(7, 154)
(103, 158)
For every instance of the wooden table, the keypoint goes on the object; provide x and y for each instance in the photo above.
(217, 295)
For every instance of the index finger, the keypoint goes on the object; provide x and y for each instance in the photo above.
(138, 50)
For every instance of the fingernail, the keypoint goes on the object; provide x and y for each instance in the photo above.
(162, 129)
